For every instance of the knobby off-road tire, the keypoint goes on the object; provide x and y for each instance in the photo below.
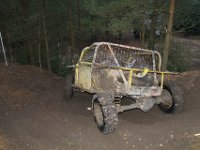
(105, 114)
(177, 98)
(69, 92)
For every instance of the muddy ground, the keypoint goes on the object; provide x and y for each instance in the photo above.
(35, 116)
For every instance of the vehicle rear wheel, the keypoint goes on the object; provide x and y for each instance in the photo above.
(172, 98)
(69, 92)
(106, 116)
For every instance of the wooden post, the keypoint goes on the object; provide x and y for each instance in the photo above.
(4, 53)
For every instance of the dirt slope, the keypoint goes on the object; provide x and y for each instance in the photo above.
(35, 116)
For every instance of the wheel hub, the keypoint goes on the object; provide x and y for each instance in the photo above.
(166, 99)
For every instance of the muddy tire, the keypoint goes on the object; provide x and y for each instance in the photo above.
(171, 88)
(105, 116)
(69, 92)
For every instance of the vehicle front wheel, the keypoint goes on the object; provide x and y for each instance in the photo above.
(105, 117)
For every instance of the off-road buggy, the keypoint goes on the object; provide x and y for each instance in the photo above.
(113, 71)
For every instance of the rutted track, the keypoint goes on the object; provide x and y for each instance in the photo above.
(35, 115)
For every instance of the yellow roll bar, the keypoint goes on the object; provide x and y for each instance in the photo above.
(144, 71)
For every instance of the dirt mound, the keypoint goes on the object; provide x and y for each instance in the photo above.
(22, 84)
(35, 116)
(189, 79)
(3, 143)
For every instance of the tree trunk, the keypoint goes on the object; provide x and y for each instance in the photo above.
(143, 24)
(168, 36)
(10, 49)
(79, 25)
(70, 29)
(39, 48)
(30, 55)
(24, 29)
(152, 34)
(45, 35)
(143, 35)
